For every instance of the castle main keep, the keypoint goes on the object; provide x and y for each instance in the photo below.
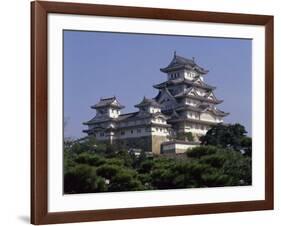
(185, 105)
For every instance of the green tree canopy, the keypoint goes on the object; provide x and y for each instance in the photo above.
(228, 136)
(90, 166)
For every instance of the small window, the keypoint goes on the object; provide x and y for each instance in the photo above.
(122, 132)
(102, 134)
(132, 131)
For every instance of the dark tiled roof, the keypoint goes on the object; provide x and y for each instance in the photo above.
(179, 62)
(127, 116)
(106, 102)
(199, 108)
(180, 81)
(174, 114)
(202, 108)
(185, 119)
(97, 120)
(219, 112)
(148, 102)
(162, 91)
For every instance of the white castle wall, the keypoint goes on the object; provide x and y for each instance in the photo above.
(190, 74)
(113, 113)
(210, 117)
(177, 148)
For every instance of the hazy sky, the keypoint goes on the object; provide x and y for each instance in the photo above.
(102, 64)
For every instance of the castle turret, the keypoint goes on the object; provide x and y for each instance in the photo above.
(108, 107)
(181, 67)
(103, 125)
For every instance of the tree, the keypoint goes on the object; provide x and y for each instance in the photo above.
(225, 167)
(226, 136)
(125, 180)
(82, 179)
(108, 171)
(91, 166)
(246, 143)
(90, 159)
(188, 136)
(200, 151)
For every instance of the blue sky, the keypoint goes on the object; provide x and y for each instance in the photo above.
(103, 64)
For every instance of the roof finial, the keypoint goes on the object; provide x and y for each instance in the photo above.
(175, 53)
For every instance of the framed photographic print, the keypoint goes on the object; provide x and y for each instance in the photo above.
(148, 112)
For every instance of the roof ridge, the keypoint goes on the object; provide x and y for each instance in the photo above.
(129, 113)
(108, 98)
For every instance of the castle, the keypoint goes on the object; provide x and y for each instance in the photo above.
(184, 109)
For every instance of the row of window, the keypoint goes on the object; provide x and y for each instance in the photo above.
(191, 74)
(155, 110)
(132, 123)
(160, 129)
(174, 75)
(199, 127)
(191, 102)
(132, 131)
(104, 111)
(159, 120)
(192, 115)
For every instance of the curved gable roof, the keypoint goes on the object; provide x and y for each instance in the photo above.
(179, 62)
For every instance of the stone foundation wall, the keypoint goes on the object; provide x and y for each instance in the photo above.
(147, 143)
(143, 143)
(156, 144)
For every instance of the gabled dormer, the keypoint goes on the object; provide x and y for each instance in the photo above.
(109, 107)
(149, 106)
(211, 96)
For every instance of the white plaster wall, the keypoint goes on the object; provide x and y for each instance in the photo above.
(153, 109)
(191, 102)
(207, 117)
(192, 115)
(137, 132)
(113, 113)
(99, 136)
(158, 131)
(196, 128)
(159, 120)
(189, 74)
(179, 148)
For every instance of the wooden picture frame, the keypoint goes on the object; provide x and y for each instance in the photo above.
(39, 112)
